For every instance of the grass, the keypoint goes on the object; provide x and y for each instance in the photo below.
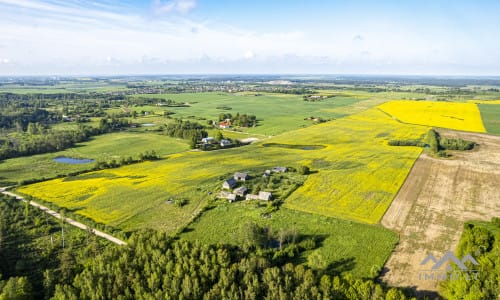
(458, 116)
(277, 113)
(356, 175)
(491, 117)
(344, 246)
(103, 147)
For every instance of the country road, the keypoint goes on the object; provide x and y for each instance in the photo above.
(67, 220)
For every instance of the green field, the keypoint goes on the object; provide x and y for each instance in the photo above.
(343, 245)
(277, 113)
(490, 114)
(355, 176)
(104, 147)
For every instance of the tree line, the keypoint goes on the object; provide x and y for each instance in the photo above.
(35, 265)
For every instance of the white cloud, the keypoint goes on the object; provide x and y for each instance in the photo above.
(181, 6)
(249, 54)
(4, 61)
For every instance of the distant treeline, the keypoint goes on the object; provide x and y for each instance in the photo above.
(38, 140)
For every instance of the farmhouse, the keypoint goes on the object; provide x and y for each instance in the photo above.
(225, 124)
(227, 195)
(207, 140)
(224, 143)
(240, 176)
(241, 191)
(261, 196)
(267, 173)
(279, 169)
(229, 184)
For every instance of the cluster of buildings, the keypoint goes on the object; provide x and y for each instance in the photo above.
(211, 141)
(233, 193)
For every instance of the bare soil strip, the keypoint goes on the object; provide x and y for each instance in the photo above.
(438, 196)
(67, 220)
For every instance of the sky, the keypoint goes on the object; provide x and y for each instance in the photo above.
(111, 37)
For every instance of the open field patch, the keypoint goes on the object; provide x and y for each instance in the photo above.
(458, 116)
(491, 117)
(435, 201)
(103, 147)
(341, 246)
(355, 176)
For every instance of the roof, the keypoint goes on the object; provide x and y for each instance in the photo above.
(240, 174)
(240, 190)
(231, 182)
(280, 169)
(265, 195)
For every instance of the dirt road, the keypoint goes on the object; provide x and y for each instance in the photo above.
(438, 196)
(67, 220)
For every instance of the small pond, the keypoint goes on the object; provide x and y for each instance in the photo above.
(72, 161)
(148, 124)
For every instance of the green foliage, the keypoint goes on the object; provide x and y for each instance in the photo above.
(341, 243)
(455, 144)
(32, 258)
(304, 170)
(153, 266)
(432, 140)
(482, 241)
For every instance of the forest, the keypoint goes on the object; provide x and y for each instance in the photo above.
(42, 258)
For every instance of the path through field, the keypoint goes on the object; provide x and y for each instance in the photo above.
(438, 196)
(67, 220)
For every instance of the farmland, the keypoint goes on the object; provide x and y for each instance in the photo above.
(105, 147)
(342, 244)
(356, 176)
(436, 200)
(349, 162)
(491, 117)
(459, 116)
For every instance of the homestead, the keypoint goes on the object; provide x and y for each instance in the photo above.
(241, 191)
(279, 169)
(224, 143)
(229, 184)
(227, 195)
(261, 196)
(241, 176)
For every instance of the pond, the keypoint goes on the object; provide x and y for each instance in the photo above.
(148, 124)
(72, 161)
(291, 146)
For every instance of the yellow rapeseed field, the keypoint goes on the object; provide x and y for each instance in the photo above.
(355, 175)
(458, 116)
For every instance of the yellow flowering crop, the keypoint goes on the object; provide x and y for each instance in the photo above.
(459, 116)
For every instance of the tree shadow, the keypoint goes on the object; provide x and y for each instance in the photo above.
(340, 266)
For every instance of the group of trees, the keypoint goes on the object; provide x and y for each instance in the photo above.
(482, 241)
(34, 265)
(191, 131)
(437, 144)
(155, 266)
(33, 259)
(38, 139)
(243, 120)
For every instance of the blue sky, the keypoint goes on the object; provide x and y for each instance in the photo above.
(58, 37)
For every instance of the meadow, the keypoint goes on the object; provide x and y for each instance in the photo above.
(277, 113)
(490, 114)
(458, 116)
(355, 176)
(343, 246)
(104, 147)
